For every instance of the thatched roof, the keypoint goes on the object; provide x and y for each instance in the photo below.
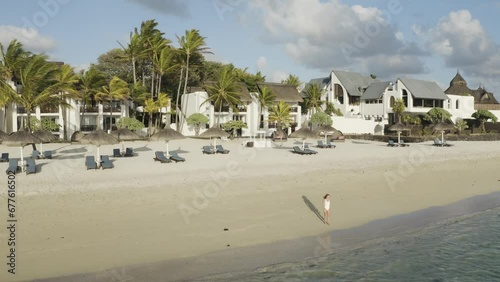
(458, 86)
(243, 93)
(283, 92)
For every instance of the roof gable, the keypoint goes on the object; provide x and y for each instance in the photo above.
(375, 90)
(424, 89)
(354, 82)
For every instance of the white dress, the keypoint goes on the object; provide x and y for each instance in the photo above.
(326, 203)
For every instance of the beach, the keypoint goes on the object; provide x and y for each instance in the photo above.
(147, 219)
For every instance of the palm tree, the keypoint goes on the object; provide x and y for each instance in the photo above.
(191, 42)
(117, 90)
(133, 51)
(225, 91)
(266, 99)
(4, 102)
(162, 102)
(38, 79)
(91, 82)
(293, 80)
(11, 59)
(66, 81)
(398, 108)
(280, 114)
(164, 63)
(150, 106)
(313, 100)
(157, 44)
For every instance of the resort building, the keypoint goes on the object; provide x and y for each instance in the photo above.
(77, 117)
(248, 110)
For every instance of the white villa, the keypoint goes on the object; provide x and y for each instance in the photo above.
(366, 102)
(248, 111)
(77, 117)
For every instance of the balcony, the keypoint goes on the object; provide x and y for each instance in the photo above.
(242, 109)
(49, 109)
(113, 108)
(89, 109)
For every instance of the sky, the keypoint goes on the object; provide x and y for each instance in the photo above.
(424, 39)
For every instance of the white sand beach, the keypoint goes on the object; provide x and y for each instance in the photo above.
(72, 220)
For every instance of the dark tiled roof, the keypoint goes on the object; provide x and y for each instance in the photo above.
(354, 82)
(424, 89)
(375, 90)
(283, 92)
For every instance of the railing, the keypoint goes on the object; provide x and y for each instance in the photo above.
(113, 108)
(89, 109)
(49, 109)
(242, 109)
(88, 127)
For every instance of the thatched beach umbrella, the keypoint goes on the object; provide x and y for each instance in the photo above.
(21, 139)
(327, 130)
(167, 135)
(45, 136)
(125, 134)
(442, 126)
(399, 127)
(214, 132)
(76, 136)
(304, 133)
(98, 138)
(3, 135)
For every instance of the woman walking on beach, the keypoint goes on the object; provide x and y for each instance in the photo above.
(326, 208)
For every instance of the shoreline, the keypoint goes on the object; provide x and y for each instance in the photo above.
(96, 222)
(229, 263)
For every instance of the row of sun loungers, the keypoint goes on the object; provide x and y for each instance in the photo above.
(328, 144)
(14, 166)
(439, 143)
(46, 155)
(160, 156)
(210, 150)
(129, 152)
(104, 163)
(402, 143)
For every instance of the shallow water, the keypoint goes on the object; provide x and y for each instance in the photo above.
(465, 248)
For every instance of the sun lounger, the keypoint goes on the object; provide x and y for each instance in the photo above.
(176, 158)
(13, 166)
(117, 153)
(437, 142)
(297, 150)
(90, 162)
(321, 144)
(4, 158)
(306, 149)
(220, 150)
(105, 162)
(129, 152)
(35, 154)
(208, 150)
(403, 144)
(391, 143)
(160, 156)
(30, 166)
(47, 154)
(330, 144)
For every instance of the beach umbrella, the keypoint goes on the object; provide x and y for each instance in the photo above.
(442, 126)
(399, 127)
(3, 135)
(45, 136)
(125, 134)
(304, 133)
(76, 136)
(167, 135)
(328, 130)
(21, 139)
(98, 138)
(214, 132)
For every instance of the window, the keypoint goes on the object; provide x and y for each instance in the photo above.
(457, 104)
(405, 97)
(392, 101)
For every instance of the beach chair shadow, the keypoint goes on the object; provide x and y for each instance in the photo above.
(313, 208)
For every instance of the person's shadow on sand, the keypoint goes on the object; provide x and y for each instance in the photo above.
(313, 208)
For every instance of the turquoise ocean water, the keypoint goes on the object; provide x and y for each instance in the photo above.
(465, 248)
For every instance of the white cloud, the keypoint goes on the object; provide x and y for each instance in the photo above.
(30, 38)
(171, 7)
(277, 76)
(329, 34)
(461, 40)
(261, 63)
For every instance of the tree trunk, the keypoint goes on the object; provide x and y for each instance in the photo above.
(5, 118)
(186, 80)
(133, 70)
(218, 118)
(177, 108)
